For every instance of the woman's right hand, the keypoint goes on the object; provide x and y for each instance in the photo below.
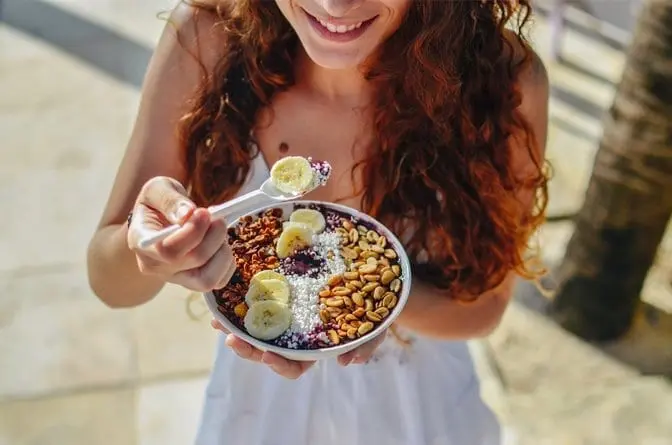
(197, 256)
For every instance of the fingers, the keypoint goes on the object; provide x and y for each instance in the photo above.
(187, 238)
(226, 276)
(294, 369)
(197, 255)
(243, 349)
(168, 256)
(207, 277)
(220, 327)
(217, 268)
(214, 239)
(286, 368)
(164, 201)
(361, 354)
(169, 197)
(346, 359)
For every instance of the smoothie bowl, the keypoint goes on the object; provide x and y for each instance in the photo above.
(314, 280)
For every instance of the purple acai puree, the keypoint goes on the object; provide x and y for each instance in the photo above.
(313, 340)
(304, 262)
(322, 171)
(333, 219)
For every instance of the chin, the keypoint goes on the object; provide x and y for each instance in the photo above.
(335, 60)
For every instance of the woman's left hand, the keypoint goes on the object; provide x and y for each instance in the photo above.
(294, 369)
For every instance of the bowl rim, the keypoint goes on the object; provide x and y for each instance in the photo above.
(404, 263)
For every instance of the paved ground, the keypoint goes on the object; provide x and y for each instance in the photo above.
(73, 372)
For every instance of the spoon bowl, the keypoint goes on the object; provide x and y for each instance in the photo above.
(268, 189)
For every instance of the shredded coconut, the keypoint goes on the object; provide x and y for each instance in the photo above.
(330, 242)
(304, 302)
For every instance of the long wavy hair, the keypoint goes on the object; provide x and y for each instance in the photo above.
(440, 174)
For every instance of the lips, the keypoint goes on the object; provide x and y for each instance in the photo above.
(340, 28)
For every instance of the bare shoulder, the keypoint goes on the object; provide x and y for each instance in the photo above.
(533, 85)
(187, 51)
(533, 81)
(534, 73)
(192, 30)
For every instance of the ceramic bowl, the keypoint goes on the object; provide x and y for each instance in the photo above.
(331, 351)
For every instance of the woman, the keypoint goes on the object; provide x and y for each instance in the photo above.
(433, 116)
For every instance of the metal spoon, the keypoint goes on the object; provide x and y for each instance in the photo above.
(218, 211)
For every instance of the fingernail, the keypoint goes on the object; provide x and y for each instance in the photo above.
(345, 362)
(183, 210)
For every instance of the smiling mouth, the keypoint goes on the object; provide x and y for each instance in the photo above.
(341, 28)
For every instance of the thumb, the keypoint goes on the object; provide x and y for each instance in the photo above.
(169, 198)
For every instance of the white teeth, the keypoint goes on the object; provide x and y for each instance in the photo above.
(339, 29)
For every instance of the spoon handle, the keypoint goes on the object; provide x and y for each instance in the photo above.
(228, 207)
(217, 211)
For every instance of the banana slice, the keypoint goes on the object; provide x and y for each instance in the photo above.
(292, 174)
(287, 224)
(267, 320)
(267, 275)
(294, 237)
(265, 290)
(312, 218)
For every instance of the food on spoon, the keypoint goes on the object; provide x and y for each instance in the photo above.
(311, 218)
(294, 237)
(270, 289)
(267, 320)
(297, 175)
(321, 172)
(293, 175)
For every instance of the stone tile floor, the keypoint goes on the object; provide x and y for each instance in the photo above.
(74, 372)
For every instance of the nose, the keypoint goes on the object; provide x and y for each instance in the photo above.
(339, 8)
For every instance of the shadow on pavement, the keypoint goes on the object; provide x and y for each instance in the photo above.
(103, 48)
(572, 129)
(574, 100)
(619, 14)
(645, 348)
(585, 71)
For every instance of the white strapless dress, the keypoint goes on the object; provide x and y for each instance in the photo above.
(423, 393)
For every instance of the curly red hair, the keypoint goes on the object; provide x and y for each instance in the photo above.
(442, 168)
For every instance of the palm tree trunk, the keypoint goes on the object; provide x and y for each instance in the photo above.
(628, 202)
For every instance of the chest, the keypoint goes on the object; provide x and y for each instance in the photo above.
(340, 135)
